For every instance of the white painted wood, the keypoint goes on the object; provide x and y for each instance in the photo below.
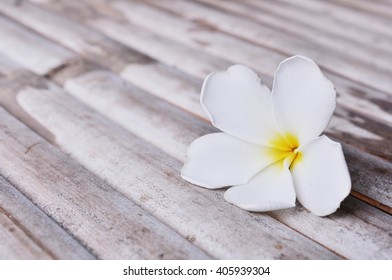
(151, 179)
(352, 234)
(86, 42)
(46, 233)
(368, 213)
(107, 223)
(29, 50)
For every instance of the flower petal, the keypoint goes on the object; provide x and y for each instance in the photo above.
(218, 160)
(239, 104)
(303, 98)
(321, 176)
(271, 189)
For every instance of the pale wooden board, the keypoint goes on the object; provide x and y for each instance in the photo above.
(151, 179)
(16, 244)
(379, 10)
(94, 46)
(371, 215)
(108, 224)
(35, 224)
(369, 31)
(39, 55)
(70, 34)
(329, 54)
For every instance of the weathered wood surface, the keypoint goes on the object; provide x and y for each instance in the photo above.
(117, 95)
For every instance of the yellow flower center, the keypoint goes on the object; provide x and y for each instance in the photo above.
(284, 146)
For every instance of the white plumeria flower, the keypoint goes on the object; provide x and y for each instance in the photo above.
(270, 150)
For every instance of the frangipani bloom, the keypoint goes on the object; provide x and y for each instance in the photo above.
(270, 150)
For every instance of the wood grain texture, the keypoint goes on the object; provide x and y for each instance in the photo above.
(360, 57)
(114, 99)
(52, 240)
(340, 23)
(17, 245)
(83, 204)
(204, 37)
(29, 50)
(368, 7)
(94, 46)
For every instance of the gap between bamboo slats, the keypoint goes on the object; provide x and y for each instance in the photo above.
(25, 217)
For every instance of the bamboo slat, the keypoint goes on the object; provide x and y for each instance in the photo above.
(101, 101)
(81, 203)
(52, 240)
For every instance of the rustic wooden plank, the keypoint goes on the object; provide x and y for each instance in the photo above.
(371, 177)
(106, 222)
(367, 213)
(331, 12)
(364, 29)
(222, 45)
(167, 85)
(111, 98)
(329, 54)
(79, 38)
(100, 49)
(339, 226)
(368, 7)
(35, 224)
(31, 51)
(151, 179)
(15, 244)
